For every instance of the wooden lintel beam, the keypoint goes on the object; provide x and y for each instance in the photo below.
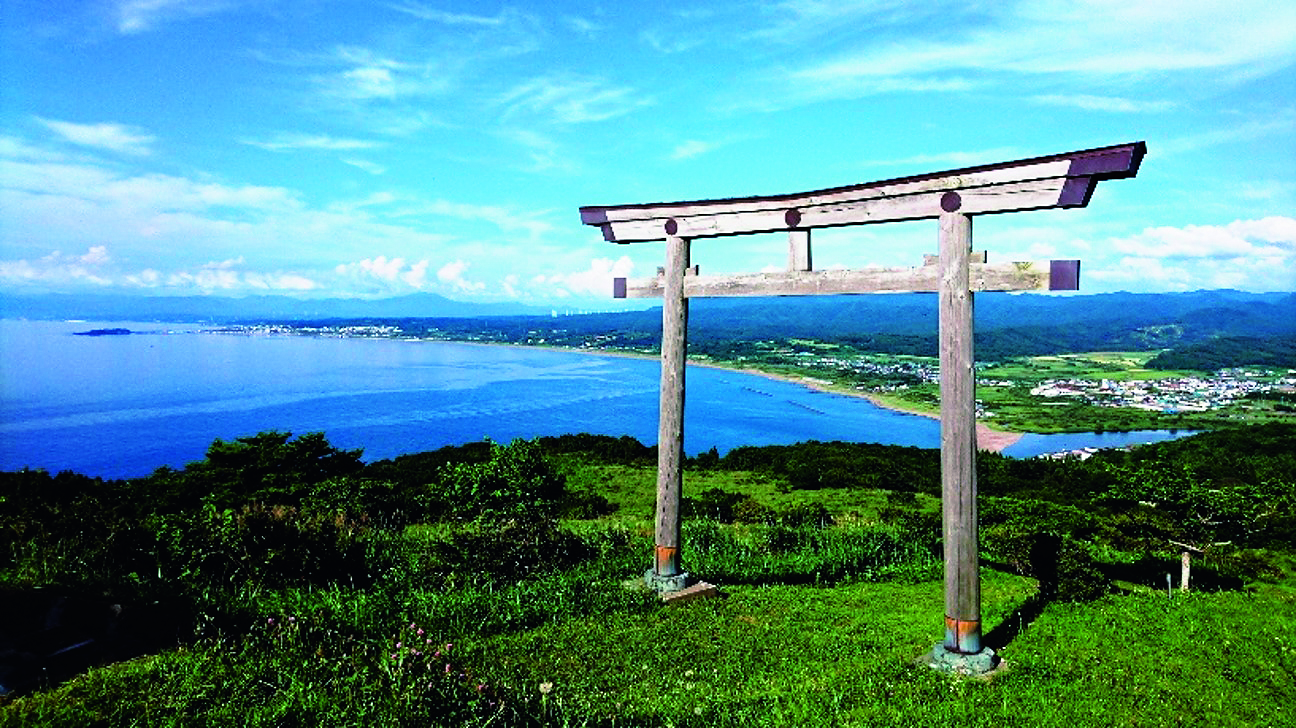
(1053, 275)
(1060, 180)
(976, 256)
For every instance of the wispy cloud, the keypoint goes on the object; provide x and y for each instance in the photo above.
(139, 16)
(289, 142)
(669, 43)
(571, 99)
(888, 47)
(504, 218)
(370, 167)
(426, 12)
(108, 136)
(1283, 122)
(1114, 104)
(543, 153)
(690, 148)
(583, 26)
(954, 159)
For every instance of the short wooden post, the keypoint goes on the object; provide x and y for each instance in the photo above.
(799, 251)
(958, 433)
(666, 573)
(1185, 568)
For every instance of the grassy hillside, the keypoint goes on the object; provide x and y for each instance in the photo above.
(282, 582)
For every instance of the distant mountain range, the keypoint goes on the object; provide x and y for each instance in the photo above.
(1008, 324)
(252, 308)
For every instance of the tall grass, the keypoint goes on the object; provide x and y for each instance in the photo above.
(782, 554)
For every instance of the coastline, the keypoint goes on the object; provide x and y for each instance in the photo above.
(988, 438)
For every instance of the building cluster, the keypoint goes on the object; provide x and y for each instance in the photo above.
(330, 332)
(897, 369)
(1178, 394)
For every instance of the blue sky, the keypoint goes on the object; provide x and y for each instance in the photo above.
(336, 149)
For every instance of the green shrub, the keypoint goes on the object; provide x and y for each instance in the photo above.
(1064, 567)
(517, 483)
(263, 546)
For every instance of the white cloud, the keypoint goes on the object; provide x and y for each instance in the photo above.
(955, 158)
(452, 275)
(370, 82)
(1256, 255)
(226, 277)
(58, 269)
(370, 167)
(424, 12)
(584, 26)
(889, 47)
(389, 276)
(284, 142)
(1270, 237)
(543, 152)
(138, 16)
(571, 99)
(379, 268)
(504, 218)
(109, 136)
(596, 280)
(1113, 104)
(691, 148)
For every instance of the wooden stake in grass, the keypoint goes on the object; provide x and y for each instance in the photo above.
(1057, 181)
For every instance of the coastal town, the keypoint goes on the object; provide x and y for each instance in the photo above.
(1173, 394)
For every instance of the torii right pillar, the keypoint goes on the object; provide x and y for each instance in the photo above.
(958, 433)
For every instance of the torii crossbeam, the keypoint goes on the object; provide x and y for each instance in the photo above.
(1057, 181)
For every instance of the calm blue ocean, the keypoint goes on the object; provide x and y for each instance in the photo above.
(121, 406)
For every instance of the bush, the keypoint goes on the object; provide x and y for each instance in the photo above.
(1064, 567)
(263, 546)
(516, 484)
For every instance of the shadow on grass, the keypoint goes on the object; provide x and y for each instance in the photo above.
(48, 635)
(1057, 585)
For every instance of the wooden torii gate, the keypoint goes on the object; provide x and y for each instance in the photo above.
(1056, 181)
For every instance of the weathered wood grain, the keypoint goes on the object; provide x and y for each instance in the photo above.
(1036, 276)
(958, 438)
(670, 426)
(1061, 180)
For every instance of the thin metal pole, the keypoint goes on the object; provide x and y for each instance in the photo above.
(958, 434)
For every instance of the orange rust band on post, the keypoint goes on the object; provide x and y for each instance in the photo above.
(667, 561)
(963, 635)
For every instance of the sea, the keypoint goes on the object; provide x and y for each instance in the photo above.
(120, 406)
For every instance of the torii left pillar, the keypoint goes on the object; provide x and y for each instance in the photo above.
(666, 574)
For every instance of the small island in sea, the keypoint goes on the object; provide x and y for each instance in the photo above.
(104, 332)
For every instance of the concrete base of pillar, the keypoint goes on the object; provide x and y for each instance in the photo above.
(958, 663)
(662, 584)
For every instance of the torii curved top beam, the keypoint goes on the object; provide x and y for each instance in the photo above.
(1059, 180)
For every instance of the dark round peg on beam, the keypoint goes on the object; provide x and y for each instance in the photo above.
(792, 217)
(951, 202)
(672, 227)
